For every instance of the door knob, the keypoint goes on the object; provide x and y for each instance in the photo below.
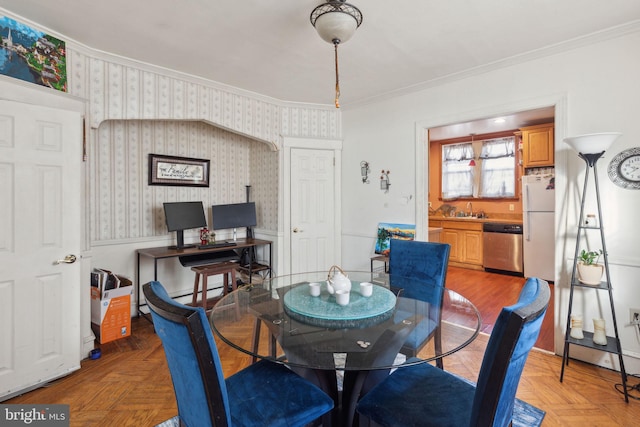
(297, 230)
(69, 259)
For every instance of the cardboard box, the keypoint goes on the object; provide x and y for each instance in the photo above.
(110, 305)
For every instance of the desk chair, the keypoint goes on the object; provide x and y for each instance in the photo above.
(426, 262)
(263, 394)
(427, 396)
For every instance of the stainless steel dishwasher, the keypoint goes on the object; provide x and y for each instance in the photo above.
(502, 248)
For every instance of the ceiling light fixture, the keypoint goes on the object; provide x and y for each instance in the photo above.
(336, 21)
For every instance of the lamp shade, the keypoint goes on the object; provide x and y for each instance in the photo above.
(336, 26)
(592, 143)
(336, 21)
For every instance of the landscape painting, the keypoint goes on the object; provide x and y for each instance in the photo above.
(31, 55)
(388, 231)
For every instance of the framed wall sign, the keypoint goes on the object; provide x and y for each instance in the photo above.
(172, 170)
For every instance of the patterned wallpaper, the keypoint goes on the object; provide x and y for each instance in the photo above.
(264, 174)
(124, 206)
(136, 109)
(119, 90)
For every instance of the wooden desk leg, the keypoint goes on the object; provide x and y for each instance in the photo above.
(196, 289)
(234, 286)
(205, 285)
(225, 283)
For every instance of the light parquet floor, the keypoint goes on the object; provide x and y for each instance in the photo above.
(130, 384)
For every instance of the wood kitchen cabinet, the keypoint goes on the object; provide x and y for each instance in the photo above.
(465, 238)
(537, 146)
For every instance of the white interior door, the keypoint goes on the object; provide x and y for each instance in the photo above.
(312, 210)
(40, 217)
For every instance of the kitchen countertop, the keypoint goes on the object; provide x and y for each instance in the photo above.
(479, 220)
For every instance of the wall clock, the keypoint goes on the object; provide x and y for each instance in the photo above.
(624, 169)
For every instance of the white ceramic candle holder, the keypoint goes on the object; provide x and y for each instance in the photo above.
(576, 327)
(599, 335)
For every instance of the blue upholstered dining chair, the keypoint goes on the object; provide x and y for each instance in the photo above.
(422, 395)
(263, 394)
(426, 262)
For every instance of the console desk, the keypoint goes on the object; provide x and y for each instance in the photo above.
(164, 252)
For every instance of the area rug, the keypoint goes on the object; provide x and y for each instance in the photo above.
(524, 415)
(171, 422)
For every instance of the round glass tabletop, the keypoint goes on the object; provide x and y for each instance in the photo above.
(290, 326)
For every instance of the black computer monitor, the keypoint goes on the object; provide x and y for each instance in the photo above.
(182, 216)
(235, 215)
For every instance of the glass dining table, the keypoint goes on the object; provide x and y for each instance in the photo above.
(345, 349)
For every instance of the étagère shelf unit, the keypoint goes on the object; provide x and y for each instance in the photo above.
(613, 342)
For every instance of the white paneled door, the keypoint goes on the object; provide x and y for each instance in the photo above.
(312, 210)
(40, 217)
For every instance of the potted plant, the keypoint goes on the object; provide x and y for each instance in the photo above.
(589, 270)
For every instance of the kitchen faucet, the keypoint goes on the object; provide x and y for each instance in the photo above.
(470, 208)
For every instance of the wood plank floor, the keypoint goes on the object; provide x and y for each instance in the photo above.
(130, 384)
(489, 292)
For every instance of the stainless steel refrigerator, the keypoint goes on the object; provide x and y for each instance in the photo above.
(538, 243)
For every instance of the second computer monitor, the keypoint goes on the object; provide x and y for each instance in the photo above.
(232, 216)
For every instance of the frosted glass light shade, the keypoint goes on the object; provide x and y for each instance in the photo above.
(338, 26)
(592, 143)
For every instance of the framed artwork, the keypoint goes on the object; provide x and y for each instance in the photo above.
(31, 55)
(388, 231)
(172, 170)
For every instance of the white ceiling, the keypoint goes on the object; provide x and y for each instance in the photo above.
(493, 124)
(270, 47)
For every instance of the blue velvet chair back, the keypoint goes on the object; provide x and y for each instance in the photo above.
(514, 334)
(425, 261)
(427, 396)
(263, 394)
(425, 264)
(192, 357)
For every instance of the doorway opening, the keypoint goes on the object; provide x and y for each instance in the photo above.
(461, 126)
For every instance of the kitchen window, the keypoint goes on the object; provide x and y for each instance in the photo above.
(457, 174)
(491, 174)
